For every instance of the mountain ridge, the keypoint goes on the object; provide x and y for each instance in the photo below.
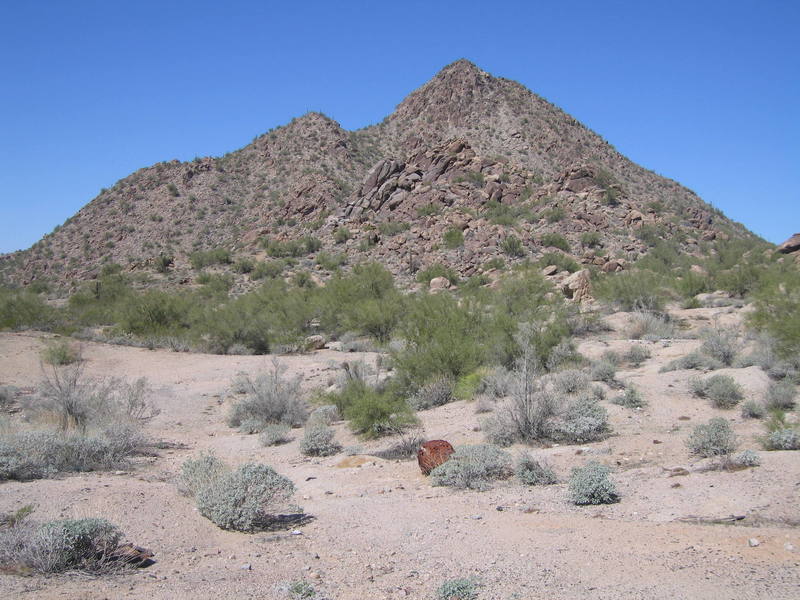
(306, 178)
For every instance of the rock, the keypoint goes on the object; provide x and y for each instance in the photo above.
(133, 555)
(634, 219)
(439, 283)
(697, 269)
(315, 342)
(753, 542)
(577, 286)
(432, 454)
(790, 245)
(246, 567)
(337, 346)
(549, 270)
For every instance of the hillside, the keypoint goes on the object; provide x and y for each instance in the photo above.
(467, 151)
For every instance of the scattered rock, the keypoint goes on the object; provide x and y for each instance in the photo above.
(753, 542)
(439, 283)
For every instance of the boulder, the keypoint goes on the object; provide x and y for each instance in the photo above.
(432, 454)
(439, 283)
(315, 342)
(790, 245)
(549, 270)
(578, 286)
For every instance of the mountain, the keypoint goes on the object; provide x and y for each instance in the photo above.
(466, 156)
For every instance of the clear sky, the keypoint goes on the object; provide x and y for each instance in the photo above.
(705, 92)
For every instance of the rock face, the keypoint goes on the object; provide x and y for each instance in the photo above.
(790, 245)
(578, 286)
(432, 454)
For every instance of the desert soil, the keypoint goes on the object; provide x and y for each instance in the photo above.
(381, 531)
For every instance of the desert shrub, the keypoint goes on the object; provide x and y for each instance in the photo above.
(715, 438)
(468, 385)
(562, 261)
(780, 395)
(633, 290)
(435, 393)
(206, 258)
(270, 398)
(570, 381)
(325, 414)
(630, 398)
(458, 589)
(722, 390)
(245, 499)
(244, 266)
(605, 371)
(693, 360)
(473, 467)
(7, 394)
(649, 326)
(274, 435)
(59, 353)
(753, 410)
(301, 589)
(341, 235)
(555, 240)
(437, 270)
(267, 269)
(582, 420)
(591, 239)
(512, 246)
(637, 354)
(82, 403)
(374, 413)
(29, 455)
(746, 458)
(251, 425)
(497, 382)
(591, 484)
(721, 344)
(199, 473)
(318, 441)
(453, 238)
(533, 472)
(777, 311)
(59, 546)
(787, 438)
(331, 262)
(526, 416)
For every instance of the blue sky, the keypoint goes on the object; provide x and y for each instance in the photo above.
(704, 92)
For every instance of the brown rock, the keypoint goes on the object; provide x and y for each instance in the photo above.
(790, 245)
(432, 454)
(315, 342)
(549, 270)
(439, 283)
(577, 286)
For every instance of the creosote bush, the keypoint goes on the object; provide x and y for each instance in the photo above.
(531, 471)
(650, 326)
(274, 435)
(780, 395)
(591, 484)
(245, 499)
(753, 410)
(637, 354)
(458, 589)
(721, 390)
(693, 360)
(435, 393)
(713, 439)
(604, 371)
(59, 353)
(473, 467)
(721, 344)
(630, 398)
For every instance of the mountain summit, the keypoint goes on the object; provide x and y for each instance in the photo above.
(469, 169)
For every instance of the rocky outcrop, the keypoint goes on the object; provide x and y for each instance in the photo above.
(432, 454)
(578, 286)
(791, 245)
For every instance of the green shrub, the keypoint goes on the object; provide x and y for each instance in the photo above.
(217, 256)
(199, 473)
(633, 290)
(554, 240)
(324, 415)
(437, 270)
(318, 441)
(693, 360)
(472, 467)
(331, 262)
(631, 398)
(244, 266)
(162, 263)
(530, 471)
(637, 354)
(468, 385)
(562, 261)
(428, 210)
(269, 398)
(582, 420)
(453, 238)
(391, 228)
(591, 484)
(274, 435)
(458, 589)
(60, 352)
(715, 438)
(570, 381)
(245, 499)
(267, 269)
(555, 214)
(21, 309)
(783, 439)
(777, 311)
(512, 246)
(747, 458)
(301, 589)
(591, 239)
(374, 413)
(341, 235)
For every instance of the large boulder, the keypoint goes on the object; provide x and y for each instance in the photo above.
(432, 454)
(790, 245)
(578, 286)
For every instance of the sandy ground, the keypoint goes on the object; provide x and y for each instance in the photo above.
(380, 529)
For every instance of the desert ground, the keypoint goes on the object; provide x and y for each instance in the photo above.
(380, 530)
